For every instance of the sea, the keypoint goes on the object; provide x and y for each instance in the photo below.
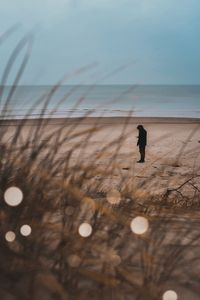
(180, 101)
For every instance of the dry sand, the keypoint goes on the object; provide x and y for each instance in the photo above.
(172, 153)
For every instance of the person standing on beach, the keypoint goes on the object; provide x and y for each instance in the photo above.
(142, 142)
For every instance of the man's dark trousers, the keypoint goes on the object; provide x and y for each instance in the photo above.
(142, 153)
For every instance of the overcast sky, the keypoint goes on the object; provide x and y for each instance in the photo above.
(157, 39)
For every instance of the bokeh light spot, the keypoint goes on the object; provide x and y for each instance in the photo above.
(139, 225)
(25, 230)
(69, 211)
(116, 260)
(74, 261)
(13, 196)
(85, 229)
(10, 236)
(170, 295)
(113, 197)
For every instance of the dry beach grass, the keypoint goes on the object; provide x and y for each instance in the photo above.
(75, 171)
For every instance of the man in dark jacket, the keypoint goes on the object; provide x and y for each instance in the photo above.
(142, 142)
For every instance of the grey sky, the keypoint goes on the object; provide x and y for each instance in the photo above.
(160, 38)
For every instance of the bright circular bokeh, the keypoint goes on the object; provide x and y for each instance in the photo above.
(13, 196)
(10, 236)
(85, 230)
(139, 225)
(25, 230)
(170, 295)
(113, 197)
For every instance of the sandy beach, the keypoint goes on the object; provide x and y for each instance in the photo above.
(171, 155)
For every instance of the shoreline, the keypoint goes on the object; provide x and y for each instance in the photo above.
(102, 120)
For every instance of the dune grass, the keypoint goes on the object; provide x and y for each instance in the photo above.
(60, 193)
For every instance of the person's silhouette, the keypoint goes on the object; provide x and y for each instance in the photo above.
(142, 142)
